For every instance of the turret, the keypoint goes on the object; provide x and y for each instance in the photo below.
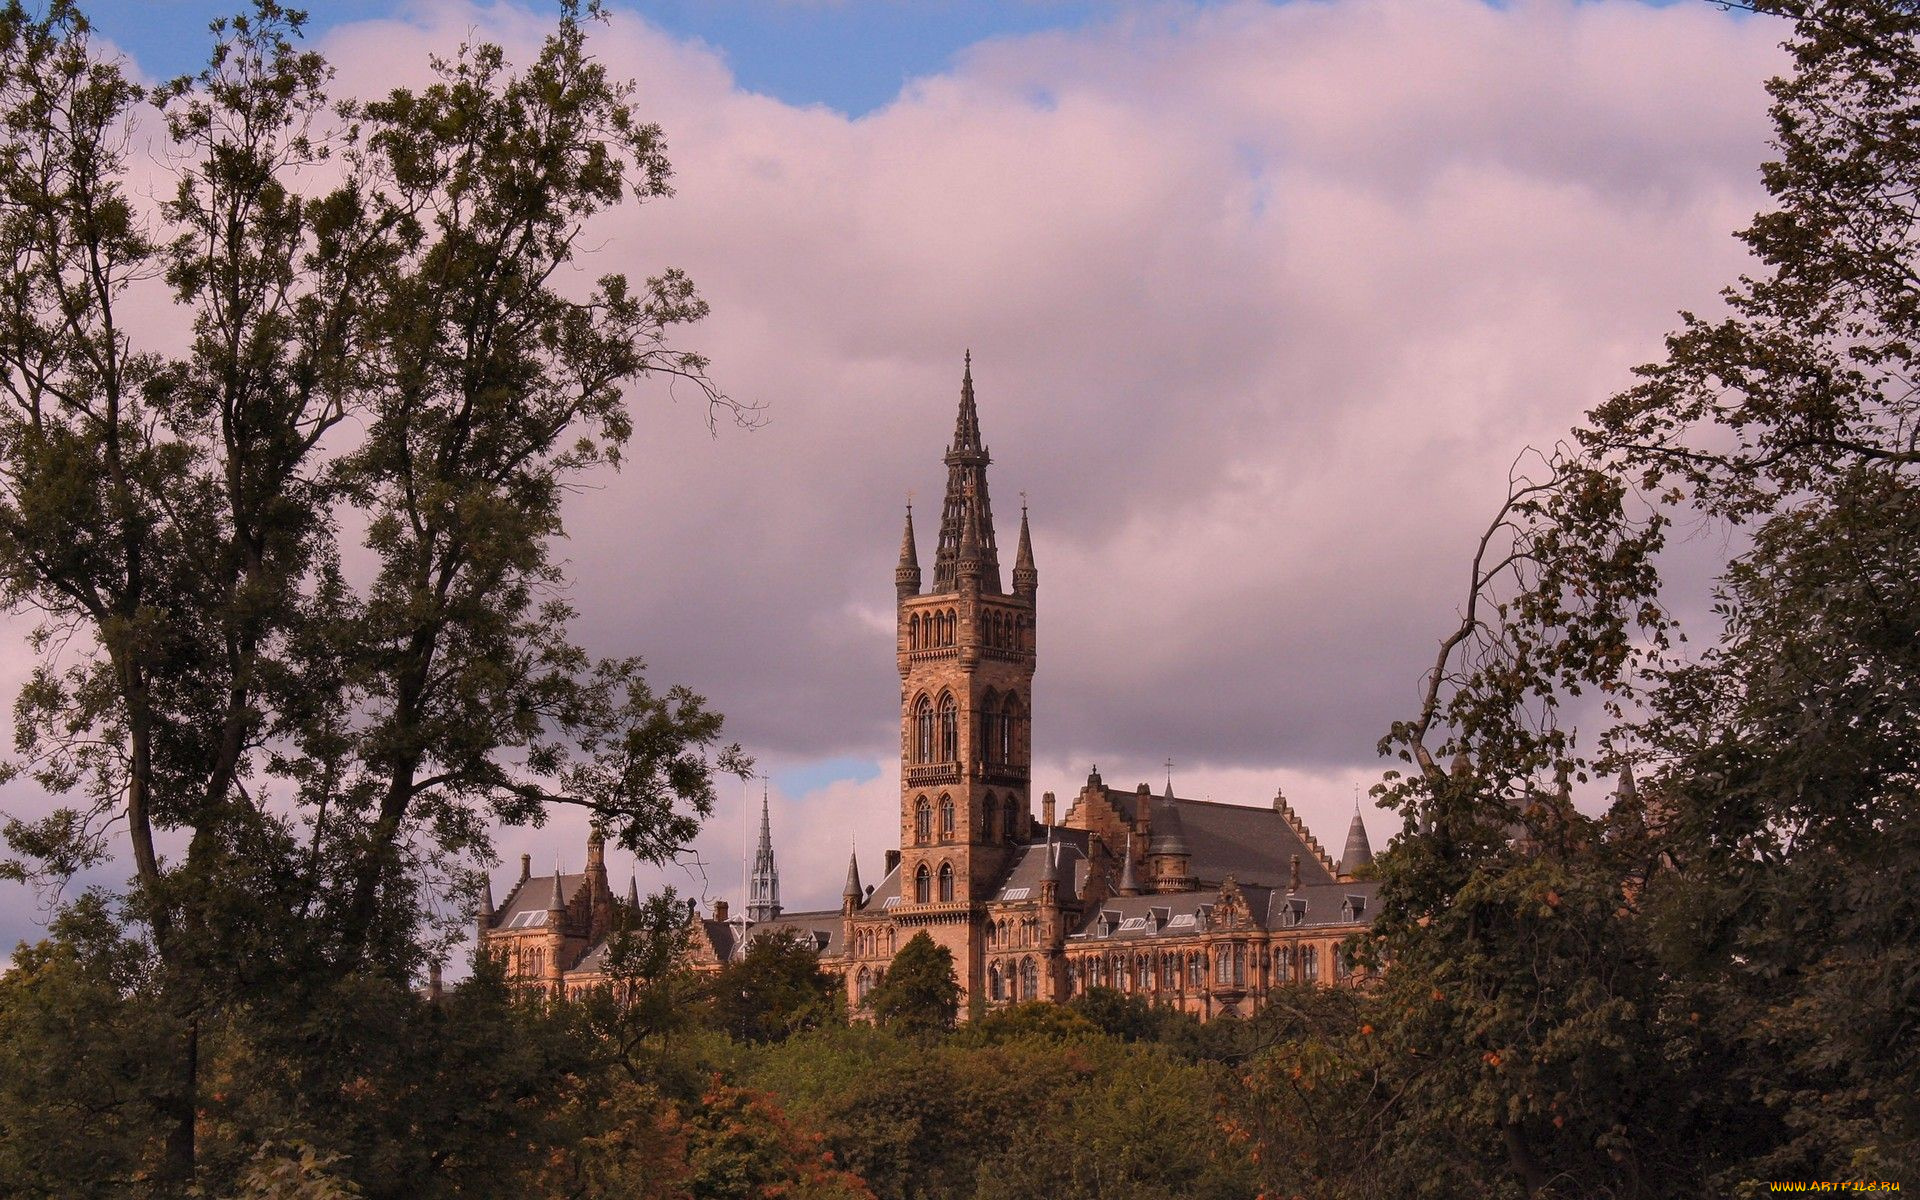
(906, 576)
(1169, 858)
(850, 895)
(1026, 577)
(556, 931)
(1359, 853)
(483, 912)
(1128, 886)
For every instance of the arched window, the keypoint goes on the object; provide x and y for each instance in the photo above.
(922, 821)
(1340, 963)
(1073, 977)
(946, 881)
(994, 991)
(1029, 980)
(923, 730)
(949, 724)
(986, 819)
(953, 628)
(1283, 965)
(946, 816)
(922, 885)
(988, 721)
(1009, 827)
(1013, 731)
(1196, 970)
(1309, 964)
(913, 632)
(863, 983)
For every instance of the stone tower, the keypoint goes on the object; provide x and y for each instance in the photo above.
(763, 890)
(966, 656)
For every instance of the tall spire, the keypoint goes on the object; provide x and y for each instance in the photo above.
(906, 576)
(967, 460)
(559, 901)
(633, 891)
(1128, 885)
(1026, 577)
(763, 892)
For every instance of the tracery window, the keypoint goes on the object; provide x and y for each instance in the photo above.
(922, 884)
(1009, 827)
(946, 881)
(923, 731)
(946, 816)
(1013, 731)
(922, 821)
(1309, 964)
(949, 726)
(862, 984)
(913, 632)
(1196, 969)
(1029, 979)
(1222, 964)
(994, 990)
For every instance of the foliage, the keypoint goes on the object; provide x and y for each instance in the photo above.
(383, 366)
(775, 990)
(1715, 983)
(919, 993)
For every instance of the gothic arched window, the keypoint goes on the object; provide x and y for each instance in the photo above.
(949, 724)
(946, 816)
(1012, 731)
(1010, 813)
(1309, 964)
(946, 881)
(863, 983)
(923, 730)
(922, 885)
(922, 821)
(986, 819)
(988, 721)
(993, 982)
(913, 632)
(1029, 980)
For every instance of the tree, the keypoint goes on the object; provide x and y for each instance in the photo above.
(389, 359)
(919, 994)
(775, 990)
(1735, 937)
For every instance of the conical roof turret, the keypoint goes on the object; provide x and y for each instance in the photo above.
(1169, 835)
(853, 890)
(1129, 886)
(558, 902)
(1359, 852)
(906, 576)
(486, 896)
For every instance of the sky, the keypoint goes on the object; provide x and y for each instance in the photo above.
(1263, 300)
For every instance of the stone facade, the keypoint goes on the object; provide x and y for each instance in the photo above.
(1202, 906)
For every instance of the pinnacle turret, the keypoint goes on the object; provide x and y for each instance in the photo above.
(633, 892)
(852, 890)
(1128, 885)
(558, 903)
(486, 897)
(1026, 577)
(906, 576)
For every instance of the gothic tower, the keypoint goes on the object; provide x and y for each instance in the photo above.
(763, 890)
(966, 656)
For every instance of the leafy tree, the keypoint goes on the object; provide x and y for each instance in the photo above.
(919, 994)
(387, 358)
(775, 990)
(1731, 946)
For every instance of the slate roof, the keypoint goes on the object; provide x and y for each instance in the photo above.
(1029, 869)
(822, 929)
(532, 895)
(1182, 914)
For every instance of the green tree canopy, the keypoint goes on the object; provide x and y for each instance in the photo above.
(919, 993)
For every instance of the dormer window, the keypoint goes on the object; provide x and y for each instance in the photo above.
(1353, 908)
(1293, 913)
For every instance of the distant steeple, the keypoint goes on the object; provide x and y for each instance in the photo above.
(906, 576)
(1026, 577)
(763, 892)
(967, 502)
(1128, 885)
(486, 896)
(633, 891)
(1626, 789)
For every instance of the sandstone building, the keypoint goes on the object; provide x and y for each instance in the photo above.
(1198, 905)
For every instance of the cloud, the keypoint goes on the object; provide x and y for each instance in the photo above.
(1262, 299)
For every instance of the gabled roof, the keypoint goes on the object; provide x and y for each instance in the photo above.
(527, 906)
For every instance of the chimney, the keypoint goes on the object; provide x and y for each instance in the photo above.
(719, 910)
(893, 860)
(526, 867)
(1046, 808)
(1293, 876)
(433, 980)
